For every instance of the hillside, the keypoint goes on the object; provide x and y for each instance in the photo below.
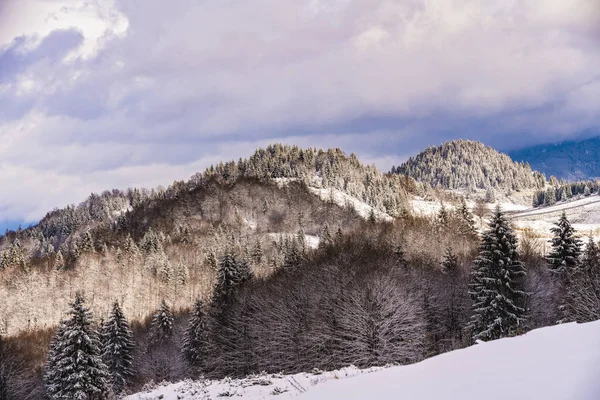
(471, 166)
(555, 363)
(571, 160)
(163, 243)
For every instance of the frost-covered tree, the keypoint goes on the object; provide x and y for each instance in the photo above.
(450, 263)
(231, 273)
(117, 340)
(75, 369)
(490, 196)
(195, 340)
(465, 164)
(495, 287)
(161, 327)
(582, 297)
(466, 221)
(566, 248)
(443, 218)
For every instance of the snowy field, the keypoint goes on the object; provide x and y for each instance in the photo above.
(555, 363)
(583, 213)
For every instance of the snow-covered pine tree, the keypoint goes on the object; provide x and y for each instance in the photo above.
(566, 248)
(450, 263)
(443, 219)
(231, 274)
(591, 256)
(293, 256)
(227, 277)
(117, 341)
(490, 196)
(495, 285)
(161, 327)
(75, 369)
(195, 340)
(52, 376)
(257, 254)
(467, 222)
(326, 239)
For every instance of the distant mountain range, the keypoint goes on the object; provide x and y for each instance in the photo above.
(571, 160)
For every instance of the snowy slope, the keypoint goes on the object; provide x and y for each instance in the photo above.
(555, 363)
(584, 214)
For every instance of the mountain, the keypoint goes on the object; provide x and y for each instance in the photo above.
(469, 165)
(571, 160)
(172, 236)
(293, 260)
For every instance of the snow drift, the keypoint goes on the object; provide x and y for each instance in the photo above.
(554, 363)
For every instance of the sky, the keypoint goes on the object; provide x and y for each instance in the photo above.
(101, 94)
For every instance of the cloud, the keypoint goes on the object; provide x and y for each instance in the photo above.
(102, 93)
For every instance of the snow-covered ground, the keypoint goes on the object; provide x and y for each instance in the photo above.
(345, 200)
(311, 241)
(339, 197)
(584, 214)
(555, 363)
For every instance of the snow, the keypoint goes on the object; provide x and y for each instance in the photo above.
(343, 199)
(423, 207)
(584, 214)
(554, 363)
(311, 241)
(337, 196)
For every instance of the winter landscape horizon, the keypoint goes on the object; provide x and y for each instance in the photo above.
(321, 199)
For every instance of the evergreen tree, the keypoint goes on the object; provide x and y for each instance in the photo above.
(495, 283)
(591, 256)
(196, 336)
(450, 263)
(326, 239)
(467, 222)
(257, 254)
(566, 248)
(161, 327)
(52, 375)
(75, 369)
(490, 196)
(118, 347)
(231, 274)
(87, 243)
(443, 218)
(550, 197)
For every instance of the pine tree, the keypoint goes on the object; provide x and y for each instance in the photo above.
(227, 277)
(495, 283)
(196, 337)
(550, 197)
(117, 339)
(450, 263)
(490, 196)
(161, 327)
(443, 218)
(591, 256)
(52, 375)
(75, 369)
(257, 254)
(326, 239)
(87, 243)
(566, 248)
(467, 222)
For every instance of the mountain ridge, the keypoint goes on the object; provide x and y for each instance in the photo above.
(570, 160)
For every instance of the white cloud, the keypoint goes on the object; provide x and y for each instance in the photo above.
(154, 88)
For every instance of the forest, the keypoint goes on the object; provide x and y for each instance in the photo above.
(244, 269)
